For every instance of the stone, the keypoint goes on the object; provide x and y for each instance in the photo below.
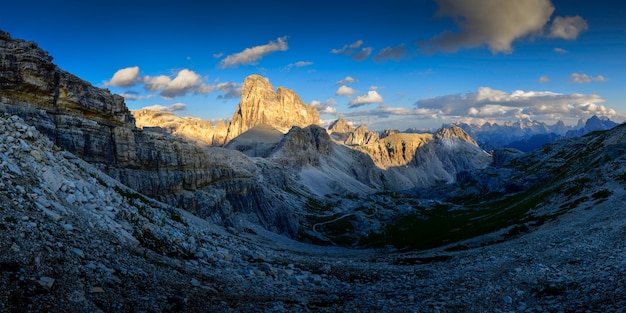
(46, 282)
(78, 252)
(507, 300)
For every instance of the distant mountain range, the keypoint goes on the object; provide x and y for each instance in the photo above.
(527, 135)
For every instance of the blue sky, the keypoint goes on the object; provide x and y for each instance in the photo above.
(386, 64)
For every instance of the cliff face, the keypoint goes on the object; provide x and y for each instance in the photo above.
(260, 105)
(192, 129)
(97, 126)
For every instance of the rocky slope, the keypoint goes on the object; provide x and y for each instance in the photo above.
(260, 104)
(74, 239)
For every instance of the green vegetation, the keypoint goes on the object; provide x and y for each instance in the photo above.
(441, 225)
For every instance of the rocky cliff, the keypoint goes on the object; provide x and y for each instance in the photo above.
(97, 126)
(260, 104)
(192, 129)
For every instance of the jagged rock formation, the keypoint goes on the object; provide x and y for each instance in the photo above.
(361, 136)
(395, 150)
(340, 129)
(594, 123)
(259, 105)
(190, 128)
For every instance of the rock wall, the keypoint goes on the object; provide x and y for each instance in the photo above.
(192, 129)
(96, 126)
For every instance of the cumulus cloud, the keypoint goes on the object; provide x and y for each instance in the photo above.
(567, 27)
(125, 77)
(585, 79)
(345, 91)
(544, 79)
(328, 107)
(252, 55)
(370, 97)
(383, 111)
(298, 64)
(167, 108)
(492, 103)
(231, 90)
(395, 53)
(560, 50)
(493, 23)
(347, 80)
(354, 50)
(133, 96)
(184, 82)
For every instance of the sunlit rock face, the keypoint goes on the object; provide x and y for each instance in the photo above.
(192, 129)
(261, 105)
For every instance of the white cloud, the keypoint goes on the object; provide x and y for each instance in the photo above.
(169, 108)
(357, 44)
(544, 79)
(231, 90)
(328, 107)
(218, 55)
(585, 79)
(395, 53)
(491, 103)
(370, 97)
(125, 77)
(132, 96)
(352, 50)
(383, 111)
(252, 55)
(345, 91)
(567, 27)
(493, 23)
(184, 82)
(298, 64)
(347, 80)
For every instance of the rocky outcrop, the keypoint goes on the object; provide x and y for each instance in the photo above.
(340, 126)
(192, 129)
(341, 131)
(259, 105)
(361, 136)
(395, 150)
(96, 126)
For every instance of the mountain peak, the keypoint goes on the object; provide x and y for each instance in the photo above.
(340, 126)
(254, 84)
(261, 105)
(453, 132)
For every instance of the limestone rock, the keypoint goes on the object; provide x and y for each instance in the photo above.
(259, 105)
(361, 136)
(340, 126)
(190, 128)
